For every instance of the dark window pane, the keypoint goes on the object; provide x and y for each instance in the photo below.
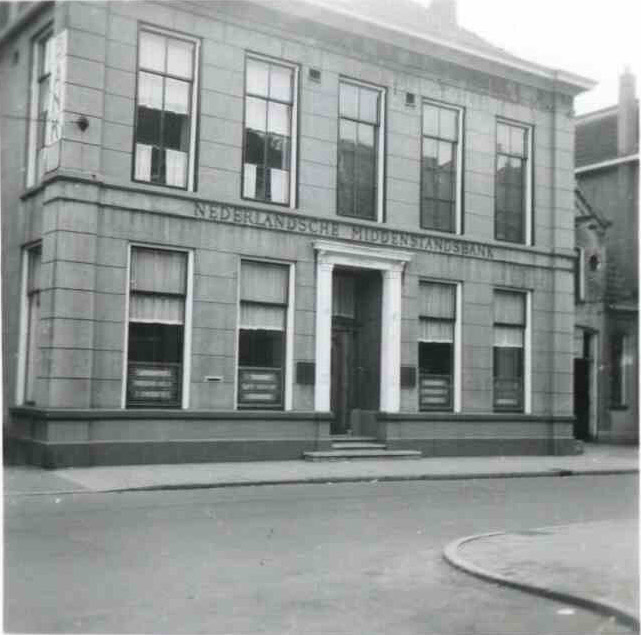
(261, 348)
(155, 342)
(278, 152)
(254, 147)
(365, 204)
(445, 154)
(508, 362)
(445, 186)
(435, 357)
(176, 131)
(148, 126)
(501, 197)
(157, 165)
(445, 220)
(429, 183)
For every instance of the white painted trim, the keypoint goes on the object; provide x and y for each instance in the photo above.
(23, 332)
(594, 387)
(392, 264)
(521, 65)
(289, 339)
(630, 158)
(459, 158)
(527, 355)
(187, 332)
(458, 349)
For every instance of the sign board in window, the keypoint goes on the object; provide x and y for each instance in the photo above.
(154, 384)
(435, 392)
(260, 388)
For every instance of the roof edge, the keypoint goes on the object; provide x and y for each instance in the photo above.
(556, 75)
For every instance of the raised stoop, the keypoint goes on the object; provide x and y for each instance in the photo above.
(348, 448)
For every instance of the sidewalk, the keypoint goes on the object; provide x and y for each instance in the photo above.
(593, 565)
(597, 459)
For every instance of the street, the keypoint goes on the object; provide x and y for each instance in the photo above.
(334, 558)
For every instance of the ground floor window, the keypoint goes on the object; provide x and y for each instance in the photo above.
(31, 323)
(437, 318)
(264, 293)
(156, 330)
(509, 347)
(620, 369)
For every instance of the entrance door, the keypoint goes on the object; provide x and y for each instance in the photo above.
(342, 387)
(582, 398)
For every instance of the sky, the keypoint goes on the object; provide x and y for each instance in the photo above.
(596, 39)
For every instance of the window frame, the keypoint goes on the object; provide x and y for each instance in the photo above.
(528, 190)
(620, 367)
(457, 366)
(579, 275)
(25, 333)
(33, 176)
(288, 333)
(381, 155)
(187, 324)
(294, 125)
(460, 171)
(192, 154)
(526, 396)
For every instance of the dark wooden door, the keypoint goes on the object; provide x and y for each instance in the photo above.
(582, 399)
(342, 383)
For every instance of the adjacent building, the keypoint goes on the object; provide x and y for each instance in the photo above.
(607, 171)
(236, 230)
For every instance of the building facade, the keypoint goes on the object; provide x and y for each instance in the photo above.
(607, 171)
(234, 230)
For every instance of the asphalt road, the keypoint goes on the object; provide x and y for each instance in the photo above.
(346, 558)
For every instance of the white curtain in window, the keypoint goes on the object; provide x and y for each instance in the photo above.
(262, 316)
(158, 270)
(177, 96)
(152, 51)
(156, 308)
(176, 167)
(435, 331)
(143, 162)
(249, 183)
(509, 308)
(437, 300)
(508, 336)
(264, 282)
(279, 182)
(179, 58)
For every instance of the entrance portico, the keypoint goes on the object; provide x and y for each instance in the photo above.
(391, 265)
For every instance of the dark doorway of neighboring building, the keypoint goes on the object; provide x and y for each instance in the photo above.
(355, 355)
(582, 380)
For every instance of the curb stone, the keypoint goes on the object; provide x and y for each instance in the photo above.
(603, 607)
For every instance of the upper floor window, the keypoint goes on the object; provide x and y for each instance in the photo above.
(29, 364)
(441, 168)
(40, 91)
(360, 151)
(269, 163)
(165, 111)
(513, 183)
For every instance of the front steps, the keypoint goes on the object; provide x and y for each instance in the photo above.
(347, 448)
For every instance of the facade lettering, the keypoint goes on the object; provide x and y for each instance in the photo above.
(276, 220)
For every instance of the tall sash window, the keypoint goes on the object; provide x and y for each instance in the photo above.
(34, 259)
(165, 110)
(509, 346)
(264, 296)
(157, 293)
(437, 319)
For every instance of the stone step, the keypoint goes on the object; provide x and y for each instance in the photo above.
(357, 445)
(348, 455)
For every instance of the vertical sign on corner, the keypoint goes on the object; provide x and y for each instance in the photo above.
(56, 106)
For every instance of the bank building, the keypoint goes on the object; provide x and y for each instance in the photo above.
(253, 230)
